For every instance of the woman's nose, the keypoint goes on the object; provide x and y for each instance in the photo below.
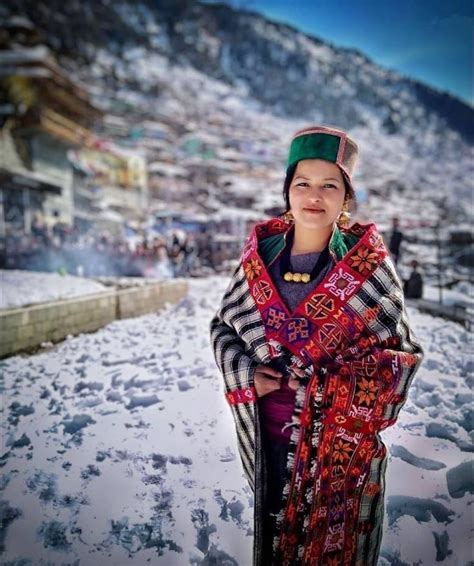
(315, 193)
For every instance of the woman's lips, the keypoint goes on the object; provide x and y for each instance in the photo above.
(314, 210)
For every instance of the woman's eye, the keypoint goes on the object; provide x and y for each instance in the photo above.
(325, 186)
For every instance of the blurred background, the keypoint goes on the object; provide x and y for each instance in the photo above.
(140, 142)
(136, 133)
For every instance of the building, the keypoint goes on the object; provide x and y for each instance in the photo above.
(44, 114)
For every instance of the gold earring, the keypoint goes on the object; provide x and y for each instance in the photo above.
(288, 217)
(344, 216)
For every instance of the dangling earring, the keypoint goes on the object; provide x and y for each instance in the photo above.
(344, 216)
(288, 217)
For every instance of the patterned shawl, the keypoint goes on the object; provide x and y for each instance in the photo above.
(351, 337)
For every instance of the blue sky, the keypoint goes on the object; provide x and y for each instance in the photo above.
(429, 40)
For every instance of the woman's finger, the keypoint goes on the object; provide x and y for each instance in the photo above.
(293, 383)
(269, 371)
(298, 371)
(265, 385)
(267, 379)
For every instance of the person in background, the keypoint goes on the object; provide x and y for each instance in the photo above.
(39, 230)
(396, 237)
(317, 356)
(413, 286)
(190, 255)
(176, 252)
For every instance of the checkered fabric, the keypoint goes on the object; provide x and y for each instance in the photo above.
(239, 342)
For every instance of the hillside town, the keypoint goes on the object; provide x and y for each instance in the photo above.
(92, 189)
(92, 194)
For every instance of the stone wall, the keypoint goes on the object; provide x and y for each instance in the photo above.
(26, 328)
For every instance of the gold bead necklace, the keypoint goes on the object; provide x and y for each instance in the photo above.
(297, 277)
(286, 270)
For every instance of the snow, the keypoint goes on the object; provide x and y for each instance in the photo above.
(451, 297)
(22, 288)
(115, 412)
(432, 442)
(120, 448)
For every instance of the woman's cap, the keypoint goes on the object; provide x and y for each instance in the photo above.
(324, 142)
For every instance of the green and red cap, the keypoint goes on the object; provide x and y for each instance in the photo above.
(325, 142)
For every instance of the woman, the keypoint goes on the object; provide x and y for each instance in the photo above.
(317, 356)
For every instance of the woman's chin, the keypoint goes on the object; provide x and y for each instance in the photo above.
(314, 223)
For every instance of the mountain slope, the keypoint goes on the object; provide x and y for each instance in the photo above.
(243, 80)
(288, 71)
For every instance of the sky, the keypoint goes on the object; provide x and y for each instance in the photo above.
(429, 40)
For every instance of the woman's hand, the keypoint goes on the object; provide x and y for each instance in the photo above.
(266, 380)
(293, 382)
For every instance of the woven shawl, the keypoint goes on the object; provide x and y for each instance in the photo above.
(352, 339)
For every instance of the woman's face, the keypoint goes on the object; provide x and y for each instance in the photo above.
(316, 193)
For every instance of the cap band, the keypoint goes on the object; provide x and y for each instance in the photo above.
(314, 146)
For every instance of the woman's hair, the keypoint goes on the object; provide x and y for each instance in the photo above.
(350, 197)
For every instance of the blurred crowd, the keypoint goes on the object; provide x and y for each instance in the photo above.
(172, 253)
(175, 253)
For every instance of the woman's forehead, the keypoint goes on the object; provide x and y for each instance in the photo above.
(316, 168)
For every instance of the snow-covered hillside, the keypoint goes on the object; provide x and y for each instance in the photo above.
(242, 84)
(119, 449)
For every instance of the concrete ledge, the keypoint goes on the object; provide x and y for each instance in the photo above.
(142, 300)
(461, 313)
(26, 328)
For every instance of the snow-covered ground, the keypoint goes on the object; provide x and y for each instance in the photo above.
(21, 288)
(119, 448)
(464, 295)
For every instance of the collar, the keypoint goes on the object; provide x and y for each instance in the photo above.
(271, 246)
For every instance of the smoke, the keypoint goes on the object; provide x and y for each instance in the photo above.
(87, 262)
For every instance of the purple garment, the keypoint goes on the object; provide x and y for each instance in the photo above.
(276, 408)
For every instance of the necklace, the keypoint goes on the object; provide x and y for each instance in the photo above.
(286, 269)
